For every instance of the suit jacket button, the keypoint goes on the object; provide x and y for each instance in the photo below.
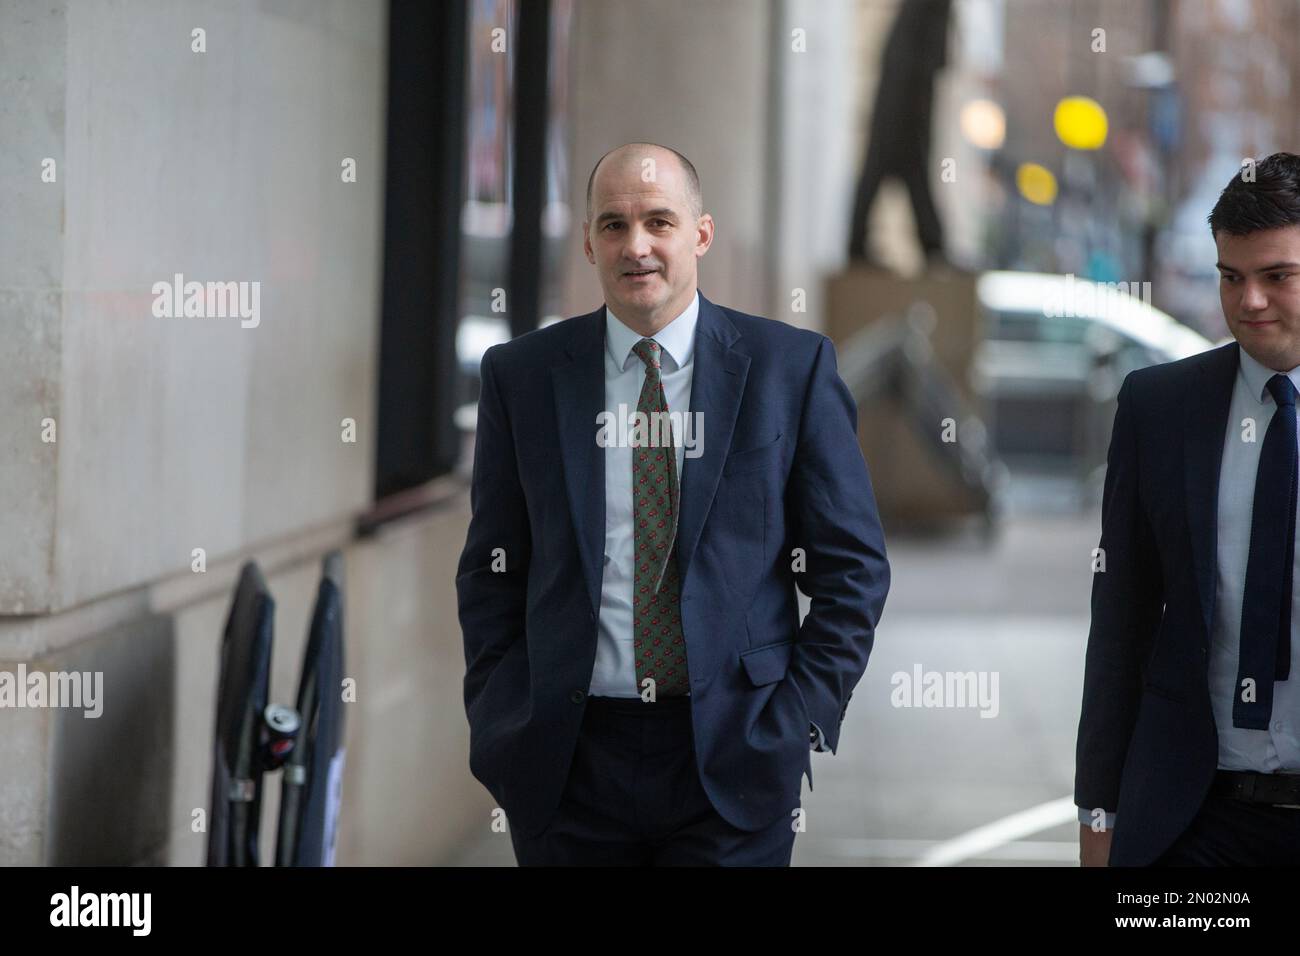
(578, 696)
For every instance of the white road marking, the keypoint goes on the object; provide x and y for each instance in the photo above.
(982, 840)
(1017, 851)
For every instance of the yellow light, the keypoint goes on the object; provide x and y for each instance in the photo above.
(984, 124)
(1036, 183)
(1080, 123)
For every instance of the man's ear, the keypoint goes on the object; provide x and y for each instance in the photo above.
(704, 219)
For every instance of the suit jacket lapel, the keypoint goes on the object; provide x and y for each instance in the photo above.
(717, 385)
(1204, 427)
(579, 384)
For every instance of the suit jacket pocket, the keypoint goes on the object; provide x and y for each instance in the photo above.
(767, 663)
(753, 459)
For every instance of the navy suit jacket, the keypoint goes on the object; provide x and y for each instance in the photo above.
(1148, 745)
(781, 469)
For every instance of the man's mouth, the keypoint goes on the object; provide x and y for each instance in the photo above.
(642, 273)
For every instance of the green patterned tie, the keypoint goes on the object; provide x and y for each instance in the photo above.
(657, 641)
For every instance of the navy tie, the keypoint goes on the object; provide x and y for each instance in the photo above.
(1266, 606)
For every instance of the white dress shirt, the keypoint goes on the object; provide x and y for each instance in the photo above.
(1277, 748)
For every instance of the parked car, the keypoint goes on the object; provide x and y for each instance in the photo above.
(1055, 350)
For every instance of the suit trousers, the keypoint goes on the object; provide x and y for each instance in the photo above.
(1229, 832)
(633, 797)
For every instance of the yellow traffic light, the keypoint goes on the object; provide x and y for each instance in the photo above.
(1036, 183)
(1080, 123)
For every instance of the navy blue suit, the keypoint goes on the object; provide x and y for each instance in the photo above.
(1148, 744)
(781, 469)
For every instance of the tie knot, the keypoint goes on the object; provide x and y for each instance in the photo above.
(647, 350)
(1282, 389)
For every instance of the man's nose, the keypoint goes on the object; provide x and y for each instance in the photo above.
(1253, 298)
(637, 245)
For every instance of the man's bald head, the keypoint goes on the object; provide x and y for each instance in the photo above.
(645, 233)
(636, 152)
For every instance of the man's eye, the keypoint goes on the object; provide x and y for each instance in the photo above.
(1229, 279)
(610, 225)
(1280, 276)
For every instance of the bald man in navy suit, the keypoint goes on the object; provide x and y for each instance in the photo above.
(639, 687)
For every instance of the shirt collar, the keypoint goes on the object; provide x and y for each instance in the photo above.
(676, 339)
(1257, 375)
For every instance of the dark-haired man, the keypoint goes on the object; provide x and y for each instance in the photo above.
(1189, 737)
(638, 685)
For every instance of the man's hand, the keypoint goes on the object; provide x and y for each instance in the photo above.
(1094, 846)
